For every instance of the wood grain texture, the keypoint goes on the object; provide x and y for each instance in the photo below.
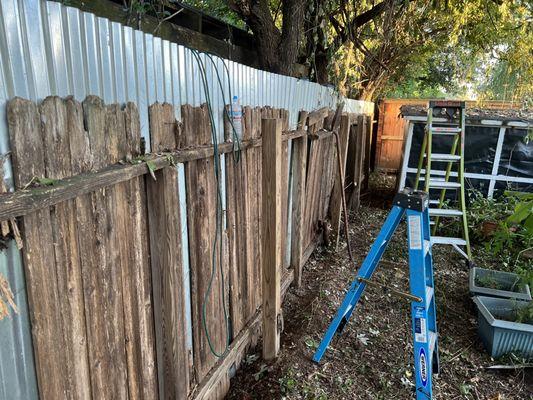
(41, 278)
(101, 269)
(57, 116)
(26, 201)
(299, 167)
(87, 260)
(201, 221)
(240, 346)
(272, 235)
(135, 267)
(166, 258)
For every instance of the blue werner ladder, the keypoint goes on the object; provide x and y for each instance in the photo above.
(415, 205)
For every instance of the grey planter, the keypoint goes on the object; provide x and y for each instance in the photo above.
(499, 336)
(507, 281)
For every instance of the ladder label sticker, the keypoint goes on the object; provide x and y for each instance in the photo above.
(420, 330)
(423, 367)
(415, 232)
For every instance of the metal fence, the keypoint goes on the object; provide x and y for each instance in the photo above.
(50, 49)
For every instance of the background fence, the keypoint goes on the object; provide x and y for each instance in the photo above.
(49, 49)
(390, 138)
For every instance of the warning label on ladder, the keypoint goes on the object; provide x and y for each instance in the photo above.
(420, 330)
(415, 235)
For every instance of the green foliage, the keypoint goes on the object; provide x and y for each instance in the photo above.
(524, 315)
(510, 246)
(218, 9)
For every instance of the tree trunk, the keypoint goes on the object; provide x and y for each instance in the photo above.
(321, 66)
(293, 20)
(277, 51)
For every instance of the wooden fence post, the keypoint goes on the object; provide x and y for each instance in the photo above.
(271, 239)
(299, 168)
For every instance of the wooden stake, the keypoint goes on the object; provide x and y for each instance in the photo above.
(336, 202)
(271, 239)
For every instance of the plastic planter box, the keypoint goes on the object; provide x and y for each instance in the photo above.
(499, 336)
(506, 281)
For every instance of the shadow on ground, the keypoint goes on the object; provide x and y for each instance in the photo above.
(373, 357)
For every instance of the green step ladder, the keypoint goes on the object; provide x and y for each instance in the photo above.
(437, 185)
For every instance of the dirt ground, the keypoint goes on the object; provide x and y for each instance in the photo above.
(373, 357)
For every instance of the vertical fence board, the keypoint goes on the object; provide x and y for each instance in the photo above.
(56, 137)
(201, 220)
(166, 258)
(357, 151)
(248, 189)
(28, 162)
(299, 165)
(136, 275)
(272, 235)
(102, 280)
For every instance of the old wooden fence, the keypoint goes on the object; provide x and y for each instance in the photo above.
(102, 238)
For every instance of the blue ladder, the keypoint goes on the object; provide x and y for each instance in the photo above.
(414, 204)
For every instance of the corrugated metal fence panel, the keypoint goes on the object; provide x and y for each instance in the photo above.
(17, 373)
(49, 49)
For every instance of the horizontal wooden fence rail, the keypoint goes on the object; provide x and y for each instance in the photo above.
(120, 261)
(27, 200)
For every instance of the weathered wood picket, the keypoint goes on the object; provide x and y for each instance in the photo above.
(102, 239)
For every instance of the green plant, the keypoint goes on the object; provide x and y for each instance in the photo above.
(488, 281)
(526, 275)
(514, 235)
(524, 315)
(288, 382)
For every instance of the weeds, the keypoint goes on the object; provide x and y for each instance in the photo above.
(510, 245)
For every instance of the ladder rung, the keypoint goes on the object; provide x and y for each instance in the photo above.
(445, 212)
(444, 157)
(432, 342)
(446, 130)
(447, 240)
(436, 184)
(429, 296)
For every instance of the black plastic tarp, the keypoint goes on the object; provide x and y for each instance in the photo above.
(516, 159)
